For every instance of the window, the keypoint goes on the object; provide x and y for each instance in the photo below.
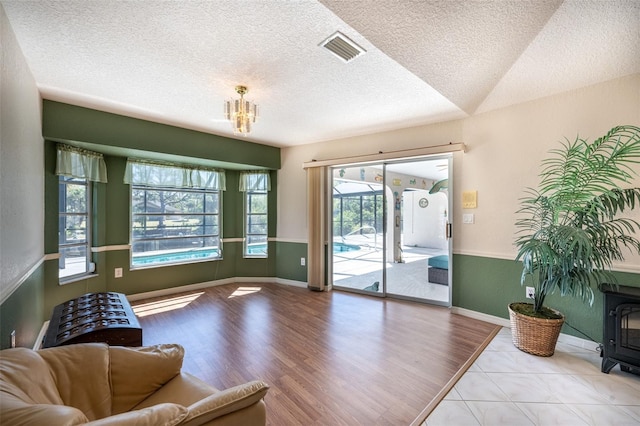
(77, 168)
(74, 228)
(256, 186)
(175, 212)
(357, 208)
(174, 225)
(256, 233)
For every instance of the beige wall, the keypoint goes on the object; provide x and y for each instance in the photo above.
(292, 214)
(504, 149)
(21, 166)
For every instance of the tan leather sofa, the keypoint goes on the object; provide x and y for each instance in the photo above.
(96, 384)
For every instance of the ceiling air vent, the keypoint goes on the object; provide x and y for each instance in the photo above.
(342, 47)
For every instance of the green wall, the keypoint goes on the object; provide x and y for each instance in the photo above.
(111, 228)
(64, 122)
(288, 261)
(481, 284)
(118, 137)
(23, 311)
(488, 285)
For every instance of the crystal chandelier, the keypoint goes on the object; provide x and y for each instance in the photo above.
(240, 112)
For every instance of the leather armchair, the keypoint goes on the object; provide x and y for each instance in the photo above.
(100, 385)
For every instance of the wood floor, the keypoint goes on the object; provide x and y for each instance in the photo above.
(330, 358)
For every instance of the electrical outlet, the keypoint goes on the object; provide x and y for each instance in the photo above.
(530, 292)
(302, 261)
(118, 273)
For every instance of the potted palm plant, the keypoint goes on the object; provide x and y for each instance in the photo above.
(573, 227)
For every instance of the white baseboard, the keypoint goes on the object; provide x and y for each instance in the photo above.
(40, 339)
(207, 284)
(259, 280)
(491, 319)
(302, 284)
(579, 342)
(192, 287)
(179, 289)
(481, 316)
(503, 322)
(267, 280)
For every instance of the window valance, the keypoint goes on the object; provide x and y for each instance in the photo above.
(255, 181)
(152, 173)
(80, 163)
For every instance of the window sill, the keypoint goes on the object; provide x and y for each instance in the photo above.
(76, 279)
(162, 265)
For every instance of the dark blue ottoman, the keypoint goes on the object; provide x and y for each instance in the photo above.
(438, 271)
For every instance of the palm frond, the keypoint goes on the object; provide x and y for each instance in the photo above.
(569, 231)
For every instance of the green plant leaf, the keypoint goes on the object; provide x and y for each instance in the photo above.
(570, 229)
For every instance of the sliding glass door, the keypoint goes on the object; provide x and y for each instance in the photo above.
(390, 229)
(358, 224)
(419, 233)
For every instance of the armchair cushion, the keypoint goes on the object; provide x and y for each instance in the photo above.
(81, 374)
(16, 412)
(137, 373)
(205, 406)
(28, 392)
(226, 401)
(20, 363)
(102, 386)
(161, 414)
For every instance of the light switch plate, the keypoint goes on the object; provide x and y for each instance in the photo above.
(468, 218)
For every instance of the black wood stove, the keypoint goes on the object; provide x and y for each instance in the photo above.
(621, 343)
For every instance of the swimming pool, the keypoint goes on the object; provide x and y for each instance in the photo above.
(186, 256)
(343, 247)
(211, 253)
(174, 257)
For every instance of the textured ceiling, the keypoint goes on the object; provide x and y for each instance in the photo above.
(425, 61)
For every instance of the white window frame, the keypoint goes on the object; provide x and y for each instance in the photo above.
(248, 234)
(185, 253)
(64, 182)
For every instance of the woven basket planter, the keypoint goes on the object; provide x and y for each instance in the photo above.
(536, 336)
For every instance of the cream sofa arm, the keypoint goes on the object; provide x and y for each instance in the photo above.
(38, 414)
(226, 401)
(166, 414)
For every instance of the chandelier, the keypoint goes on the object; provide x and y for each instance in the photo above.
(240, 112)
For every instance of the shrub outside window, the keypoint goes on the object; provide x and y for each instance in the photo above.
(74, 227)
(174, 225)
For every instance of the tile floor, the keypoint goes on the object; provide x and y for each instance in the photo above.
(505, 386)
(361, 268)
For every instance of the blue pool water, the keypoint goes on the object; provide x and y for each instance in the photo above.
(174, 257)
(185, 256)
(342, 247)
